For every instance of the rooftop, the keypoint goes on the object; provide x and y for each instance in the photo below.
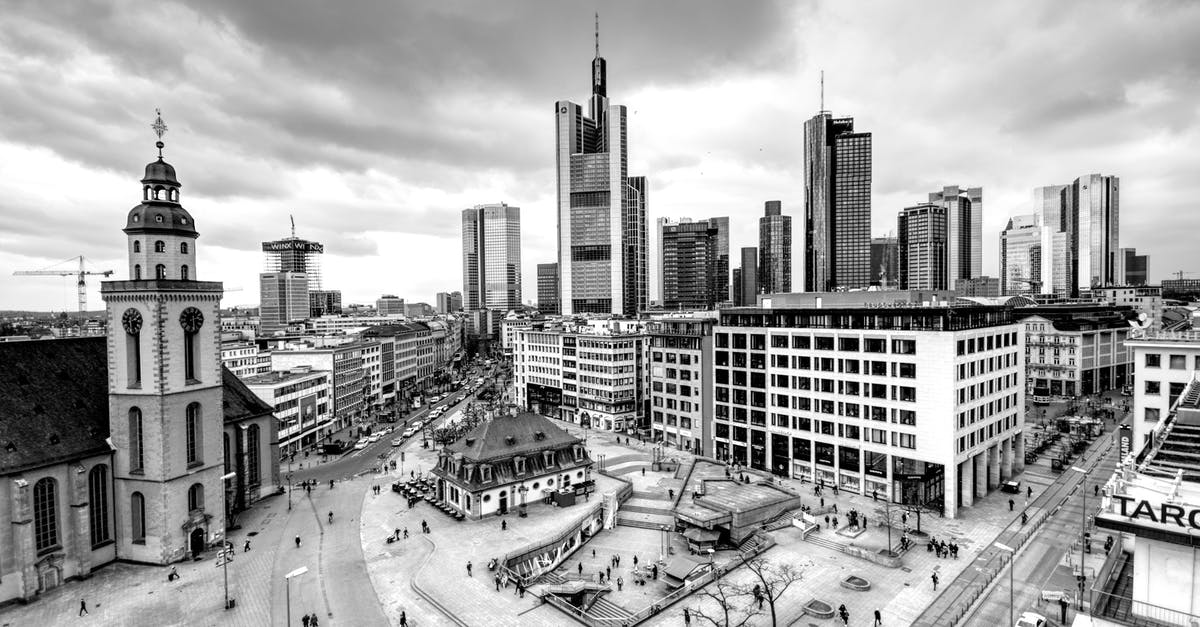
(507, 436)
(280, 376)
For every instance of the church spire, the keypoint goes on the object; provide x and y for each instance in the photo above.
(159, 127)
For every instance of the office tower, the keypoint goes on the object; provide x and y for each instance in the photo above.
(292, 270)
(492, 257)
(602, 232)
(389, 305)
(885, 262)
(922, 242)
(547, 287)
(1130, 268)
(722, 264)
(748, 292)
(1095, 214)
(1021, 256)
(691, 264)
(837, 204)
(324, 303)
(964, 231)
(456, 301)
(735, 287)
(774, 250)
(443, 302)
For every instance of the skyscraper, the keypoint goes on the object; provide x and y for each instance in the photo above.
(774, 250)
(964, 231)
(602, 247)
(1096, 211)
(293, 269)
(443, 302)
(1130, 268)
(885, 262)
(747, 292)
(693, 271)
(390, 305)
(922, 242)
(491, 257)
(547, 288)
(1051, 208)
(324, 302)
(1021, 256)
(837, 204)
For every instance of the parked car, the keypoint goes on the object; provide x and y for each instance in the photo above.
(397, 441)
(373, 438)
(360, 445)
(1031, 619)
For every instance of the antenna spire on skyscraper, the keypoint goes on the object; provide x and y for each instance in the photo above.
(822, 90)
(597, 33)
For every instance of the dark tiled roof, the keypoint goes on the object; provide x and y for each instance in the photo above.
(53, 402)
(395, 330)
(238, 402)
(511, 435)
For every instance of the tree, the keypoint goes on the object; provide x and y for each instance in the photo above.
(774, 579)
(728, 612)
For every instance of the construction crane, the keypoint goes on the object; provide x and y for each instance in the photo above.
(1179, 274)
(81, 275)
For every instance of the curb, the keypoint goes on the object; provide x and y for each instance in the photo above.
(412, 583)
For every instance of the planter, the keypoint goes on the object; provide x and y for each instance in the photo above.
(854, 582)
(819, 609)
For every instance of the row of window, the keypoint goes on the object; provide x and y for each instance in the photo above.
(1174, 362)
(986, 343)
(160, 247)
(160, 272)
(803, 448)
(758, 342)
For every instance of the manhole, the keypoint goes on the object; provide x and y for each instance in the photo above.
(906, 569)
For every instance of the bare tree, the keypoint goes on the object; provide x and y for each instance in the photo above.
(728, 613)
(773, 580)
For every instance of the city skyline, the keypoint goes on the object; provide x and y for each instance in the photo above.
(317, 135)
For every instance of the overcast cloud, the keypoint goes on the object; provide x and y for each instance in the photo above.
(375, 123)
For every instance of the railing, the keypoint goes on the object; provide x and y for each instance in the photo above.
(556, 540)
(1131, 612)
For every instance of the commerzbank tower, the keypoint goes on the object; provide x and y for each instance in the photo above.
(602, 245)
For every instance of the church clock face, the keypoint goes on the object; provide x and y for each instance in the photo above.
(191, 320)
(132, 321)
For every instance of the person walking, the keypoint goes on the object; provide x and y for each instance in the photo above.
(469, 570)
(304, 620)
(934, 577)
(406, 533)
(635, 561)
(497, 580)
(1010, 505)
(246, 547)
(314, 622)
(503, 525)
(845, 614)
(620, 583)
(403, 619)
(878, 619)
(608, 572)
(297, 541)
(687, 617)
(331, 517)
(82, 607)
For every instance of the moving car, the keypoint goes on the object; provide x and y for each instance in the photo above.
(373, 438)
(360, 445)
(1031, 619)
(397, 441)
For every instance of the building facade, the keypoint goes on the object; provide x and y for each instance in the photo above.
(1130, 268)
(351, 386)
(694, 273)
(302, 404)
(283, 300)
(980, 286)
(857, 395)
(1021, 256)
(774, 250)
(923, 244)
(1165, 362)
(964, 231)
(324, 303)
(746, 286)
(680, 373)
(1072, 350)
(389, 305)
(885, 262)
(837, 204)
(602, 232)
(492, 257)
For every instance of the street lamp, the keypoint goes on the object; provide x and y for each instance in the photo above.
(289, 490)
(1082, 532)
(288, 581)
(1012, 566)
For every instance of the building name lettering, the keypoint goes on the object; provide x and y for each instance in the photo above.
(1164, 513)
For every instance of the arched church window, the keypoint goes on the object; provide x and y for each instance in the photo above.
(183, 272)
(137, 272)
(98, 500)
(135, 440)
(196, 497)
(137, 515)
(158, 193)
(45, 514)
(132, 321)
(183, 247)
(160, 246)
(252, 443)
(191, 320)
(137, 246)
(160, 271)
(195, 438)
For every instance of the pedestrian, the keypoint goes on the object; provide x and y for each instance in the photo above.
(1097, 490)
(618, 558)
(654, 571)
(671, 494)
(643, 471)
(403, 619)
(469, 570)
(845, 614)
(934, 577)
(1010, 505)
(687, 617)
(1028, 492)
(826, 520)
(304, 620)
(406, 533)
(874, 495)
(503, 525)
(878, 619)
(82, 607)
(620, 583)
(521, 589)
(904, 518)
(314, 622)
(297, 541)
(635, 561)
(1062, 609)
(173, 575)
(822, 501)
(497, 579)
(246, 547)
(593, 554)
(608, 572)
(580, 569)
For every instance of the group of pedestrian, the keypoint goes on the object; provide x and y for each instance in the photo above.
(310, 620)
(941, 548)
(377, 488)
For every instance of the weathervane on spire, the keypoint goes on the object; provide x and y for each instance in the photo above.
(159, 127)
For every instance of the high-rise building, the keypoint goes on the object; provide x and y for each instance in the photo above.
(964, 231)
(747, 294)
(1130, 268)
(774, 250)
(547, 288)
(837, 204)
(922, 244)
(492, 257)
(694, 275)
(283, 299)
(980, 286)
(602, 232)
(1050, 207)
(292, 271)
(389, 305)
(456, 301)
(1021, 256)
(324, 303)
(443, 303)
(1096, 211)
(885, 262)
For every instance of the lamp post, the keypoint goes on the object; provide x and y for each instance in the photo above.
(224, 556)
(887, 513)
(1082, 532)
(288, 581)
(522, 491)
(1012, 566)
(289, 488)
(662, 542)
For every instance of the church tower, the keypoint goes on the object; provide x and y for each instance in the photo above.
(164, 382)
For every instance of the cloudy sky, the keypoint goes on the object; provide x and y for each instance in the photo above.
(375, 123)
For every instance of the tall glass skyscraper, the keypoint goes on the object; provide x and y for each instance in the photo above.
(775, 250)
(547, 287)
(602, 247)
(837, 204)
(1081, 233)
(964, 232)
(694, 272)
(491, 257)
(922, 242)
(1021, 256)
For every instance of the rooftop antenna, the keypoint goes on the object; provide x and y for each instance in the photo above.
(822, 90)
(293, 219)
(597, 33)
